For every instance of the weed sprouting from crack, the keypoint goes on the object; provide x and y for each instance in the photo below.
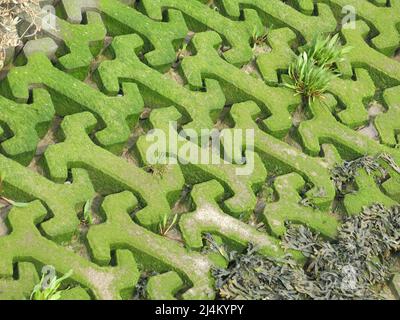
(259, 38)
(182, 52)
(87, 213)
(48, 288)
(314, 69)
(159, 167)
(345, 269)
(326, 52)
(167, 224)
(309, 80)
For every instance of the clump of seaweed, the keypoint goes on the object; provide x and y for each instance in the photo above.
(305, 202)
(141, 285)
(251, 276)
(158, 167)
(343, 175)
(346, 269)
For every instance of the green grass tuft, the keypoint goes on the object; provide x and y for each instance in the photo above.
(48, 289)
(326, 52)
(309, 80)
(315, 68)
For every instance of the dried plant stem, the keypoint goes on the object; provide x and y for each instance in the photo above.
(12, 13)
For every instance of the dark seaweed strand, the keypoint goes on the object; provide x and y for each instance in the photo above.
(345, 269)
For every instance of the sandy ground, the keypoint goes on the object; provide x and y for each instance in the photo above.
(370, 131)
(47, 140)
(397, 56)
(251, 67)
